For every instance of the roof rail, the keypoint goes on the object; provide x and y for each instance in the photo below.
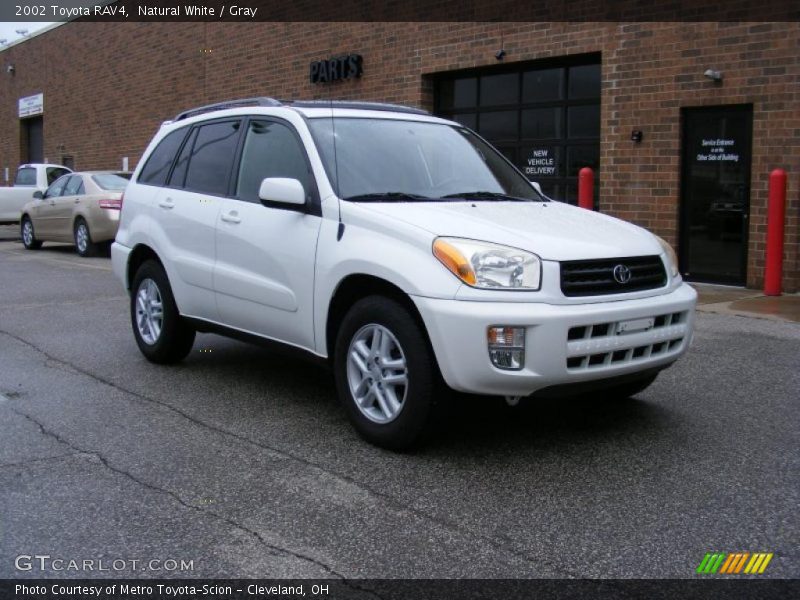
(260, 101)
(356, 104)
(264, 101)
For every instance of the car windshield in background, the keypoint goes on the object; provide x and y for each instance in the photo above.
(385, 160)
(110, 182)
(26, 177)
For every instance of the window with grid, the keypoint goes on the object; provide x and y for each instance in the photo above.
(544, 117)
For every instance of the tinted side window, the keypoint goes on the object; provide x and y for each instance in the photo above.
(56, 188)
(54, 173)
(212, 158)
(73, 186)
(270, 150)
(178, 177)
(26, 177)
(156, 169)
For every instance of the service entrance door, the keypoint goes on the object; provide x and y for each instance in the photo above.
(33, 140)
(715, 193)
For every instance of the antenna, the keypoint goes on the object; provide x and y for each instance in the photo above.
(340, 231)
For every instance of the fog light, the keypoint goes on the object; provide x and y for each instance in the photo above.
(507, 347)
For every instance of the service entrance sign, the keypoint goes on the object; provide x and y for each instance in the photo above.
(30, 106)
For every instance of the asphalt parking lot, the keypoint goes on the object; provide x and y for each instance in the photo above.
(241, 461)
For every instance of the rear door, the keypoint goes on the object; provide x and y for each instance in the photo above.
(63, 206)
(186, 213)
(264, 275)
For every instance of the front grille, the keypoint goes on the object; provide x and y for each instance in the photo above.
(596, 277)
(607, 344)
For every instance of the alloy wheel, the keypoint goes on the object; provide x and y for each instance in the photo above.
(377, 373)
(82, 237)
(149, 311)
(27, 232)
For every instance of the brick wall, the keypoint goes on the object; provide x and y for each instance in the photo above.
(108, 86)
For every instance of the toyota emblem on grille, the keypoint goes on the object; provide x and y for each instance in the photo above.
(622, 274)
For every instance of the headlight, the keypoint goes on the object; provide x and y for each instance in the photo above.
(672, 258)
(489, 266)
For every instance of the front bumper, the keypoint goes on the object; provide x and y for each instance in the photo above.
(458, 331)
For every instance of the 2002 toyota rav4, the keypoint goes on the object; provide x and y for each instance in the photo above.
(400, 247)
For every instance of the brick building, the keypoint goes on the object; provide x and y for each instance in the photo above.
(562, 96)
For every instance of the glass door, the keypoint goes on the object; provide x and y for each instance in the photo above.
(715, 193)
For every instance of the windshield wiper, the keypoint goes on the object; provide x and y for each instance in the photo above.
(487, 196)
(387, 197)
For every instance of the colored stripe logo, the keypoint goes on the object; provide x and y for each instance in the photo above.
(734, 563)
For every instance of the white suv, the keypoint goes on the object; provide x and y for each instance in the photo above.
(400, 248)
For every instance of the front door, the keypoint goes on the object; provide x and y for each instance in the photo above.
(45, 211)
(715, 193)
(264, 273)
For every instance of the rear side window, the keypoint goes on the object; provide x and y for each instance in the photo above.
(156, 168)
(54, 173)
(270, 150)
(178, 177)
(26, 177)
(74, 186)
(212, 157)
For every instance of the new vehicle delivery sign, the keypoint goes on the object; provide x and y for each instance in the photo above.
(31, 105)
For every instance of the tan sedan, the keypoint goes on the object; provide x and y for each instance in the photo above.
(79, 208)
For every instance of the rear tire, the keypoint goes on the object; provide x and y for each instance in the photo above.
(162, 335)
(28, 235)
(83, 239)
(386, 373)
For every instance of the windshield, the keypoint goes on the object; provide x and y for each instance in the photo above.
(385, 159)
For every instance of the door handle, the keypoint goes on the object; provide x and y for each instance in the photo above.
(167, 203)
(231, 217)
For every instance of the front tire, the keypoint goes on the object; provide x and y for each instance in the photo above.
(386, 373)
(28, 235)
(162, 335)
(83, 240)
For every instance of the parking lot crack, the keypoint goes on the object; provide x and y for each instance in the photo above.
(387, 499)
(275, 549)
(33, 461)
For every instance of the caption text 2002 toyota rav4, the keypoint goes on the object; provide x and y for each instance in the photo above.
(401, 247)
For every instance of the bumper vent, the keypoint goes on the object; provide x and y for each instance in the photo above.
(608, 344)
(612, 275)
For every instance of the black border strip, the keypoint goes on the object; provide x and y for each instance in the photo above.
(733, 588)
(422, 11)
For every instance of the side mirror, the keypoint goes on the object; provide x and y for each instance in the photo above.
(38, 195)
(282, 190)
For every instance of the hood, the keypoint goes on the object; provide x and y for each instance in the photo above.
(552, 230)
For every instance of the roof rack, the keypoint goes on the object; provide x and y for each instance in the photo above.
(356, 104)
(264, 101)
(261, 101)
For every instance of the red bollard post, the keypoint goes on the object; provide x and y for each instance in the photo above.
(586, 188)
(776, 213)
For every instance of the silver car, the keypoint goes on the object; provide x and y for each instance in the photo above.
(79, 208)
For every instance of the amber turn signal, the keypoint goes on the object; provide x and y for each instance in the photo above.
(455, 262)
